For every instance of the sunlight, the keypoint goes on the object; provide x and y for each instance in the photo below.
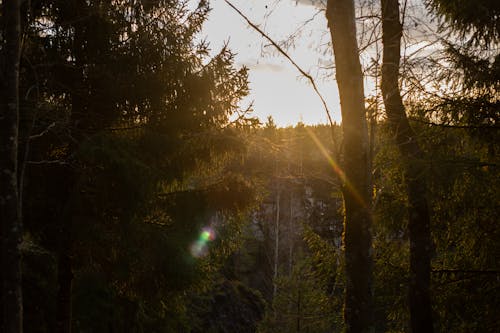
(335, 166)
(276, 87)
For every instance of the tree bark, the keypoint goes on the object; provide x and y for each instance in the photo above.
(11, 226)
(418, 211)
(81, 126)
(276, 242)
(358, 312)
(64, 293)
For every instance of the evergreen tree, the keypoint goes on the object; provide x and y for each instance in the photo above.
(419, 218)
(128, 140)
(10, 214)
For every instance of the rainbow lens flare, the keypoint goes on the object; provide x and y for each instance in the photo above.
(199, 248)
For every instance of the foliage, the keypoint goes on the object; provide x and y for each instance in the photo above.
(464, 230)
(463, 176)
(478, 19)
(229, 307)
(133, 143)
(301, 304)
(131, 149)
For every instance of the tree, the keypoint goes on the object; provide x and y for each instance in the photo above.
(471, 70)
(357, 224)
(11, 224)
(477, 21)
(118, 158)
(414, 170)
(298, 163)
(357, 177)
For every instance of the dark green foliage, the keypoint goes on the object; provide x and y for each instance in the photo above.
(391, 248)
(472, 68)
(472, 101)
(129, 148)
(464, 181)
(230, 307)
(463, 178)
(296, 177)
(476, 73)
(301, 304)
(478, 19)
(39, 288)
(130, 153)
(464, 167)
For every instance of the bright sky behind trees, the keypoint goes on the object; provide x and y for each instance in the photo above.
(299, 26)
(277, 88)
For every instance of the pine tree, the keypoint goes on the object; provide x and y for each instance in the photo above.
(10, 223)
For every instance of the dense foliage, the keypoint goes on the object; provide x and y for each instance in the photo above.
(128, 149)
(152, 202)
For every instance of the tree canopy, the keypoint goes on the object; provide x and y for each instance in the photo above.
(137, 194)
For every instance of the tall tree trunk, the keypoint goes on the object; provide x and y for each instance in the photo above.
(80, 126)
(291, 235)
(358, 312)
(11, 225)
(418, 213)
(64, 296)
(276, 241)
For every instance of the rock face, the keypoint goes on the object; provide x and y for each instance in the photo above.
(233, 307)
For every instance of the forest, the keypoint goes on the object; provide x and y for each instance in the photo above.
(137, 194)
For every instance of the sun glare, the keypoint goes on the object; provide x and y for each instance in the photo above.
(335, 167)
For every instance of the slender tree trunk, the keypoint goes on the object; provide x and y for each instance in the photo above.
(418, 213)
(11, 226)
(358, 312)
(64, 296)
(80, 125)
(291, 238)
(299, 310)
(276, 242)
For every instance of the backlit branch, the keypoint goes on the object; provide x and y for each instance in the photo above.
(283, 52)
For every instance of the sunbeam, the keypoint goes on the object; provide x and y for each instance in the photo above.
(335, 166)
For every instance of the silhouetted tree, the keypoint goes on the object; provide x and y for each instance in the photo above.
(10, 223)
(356, 177)
(414, 171)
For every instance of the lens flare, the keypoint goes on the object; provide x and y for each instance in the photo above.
(336, 168)
(207, 234)
(199, 248)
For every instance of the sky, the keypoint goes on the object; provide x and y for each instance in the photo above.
(277, 88)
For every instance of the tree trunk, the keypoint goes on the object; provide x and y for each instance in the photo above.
(291, 236)
(276, 242)
(64, 296)
(418, 213)
(11, 226)
(358, 312)
(80, 127)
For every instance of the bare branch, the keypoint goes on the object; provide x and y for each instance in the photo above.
(455, 126)
(42, 133)
(464, 271)
(59, 162)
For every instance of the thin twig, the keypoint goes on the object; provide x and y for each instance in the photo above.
(45, 131)
(465, 271)
(59, 162)
(455, 126)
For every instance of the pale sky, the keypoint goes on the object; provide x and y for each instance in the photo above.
(277, 89)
